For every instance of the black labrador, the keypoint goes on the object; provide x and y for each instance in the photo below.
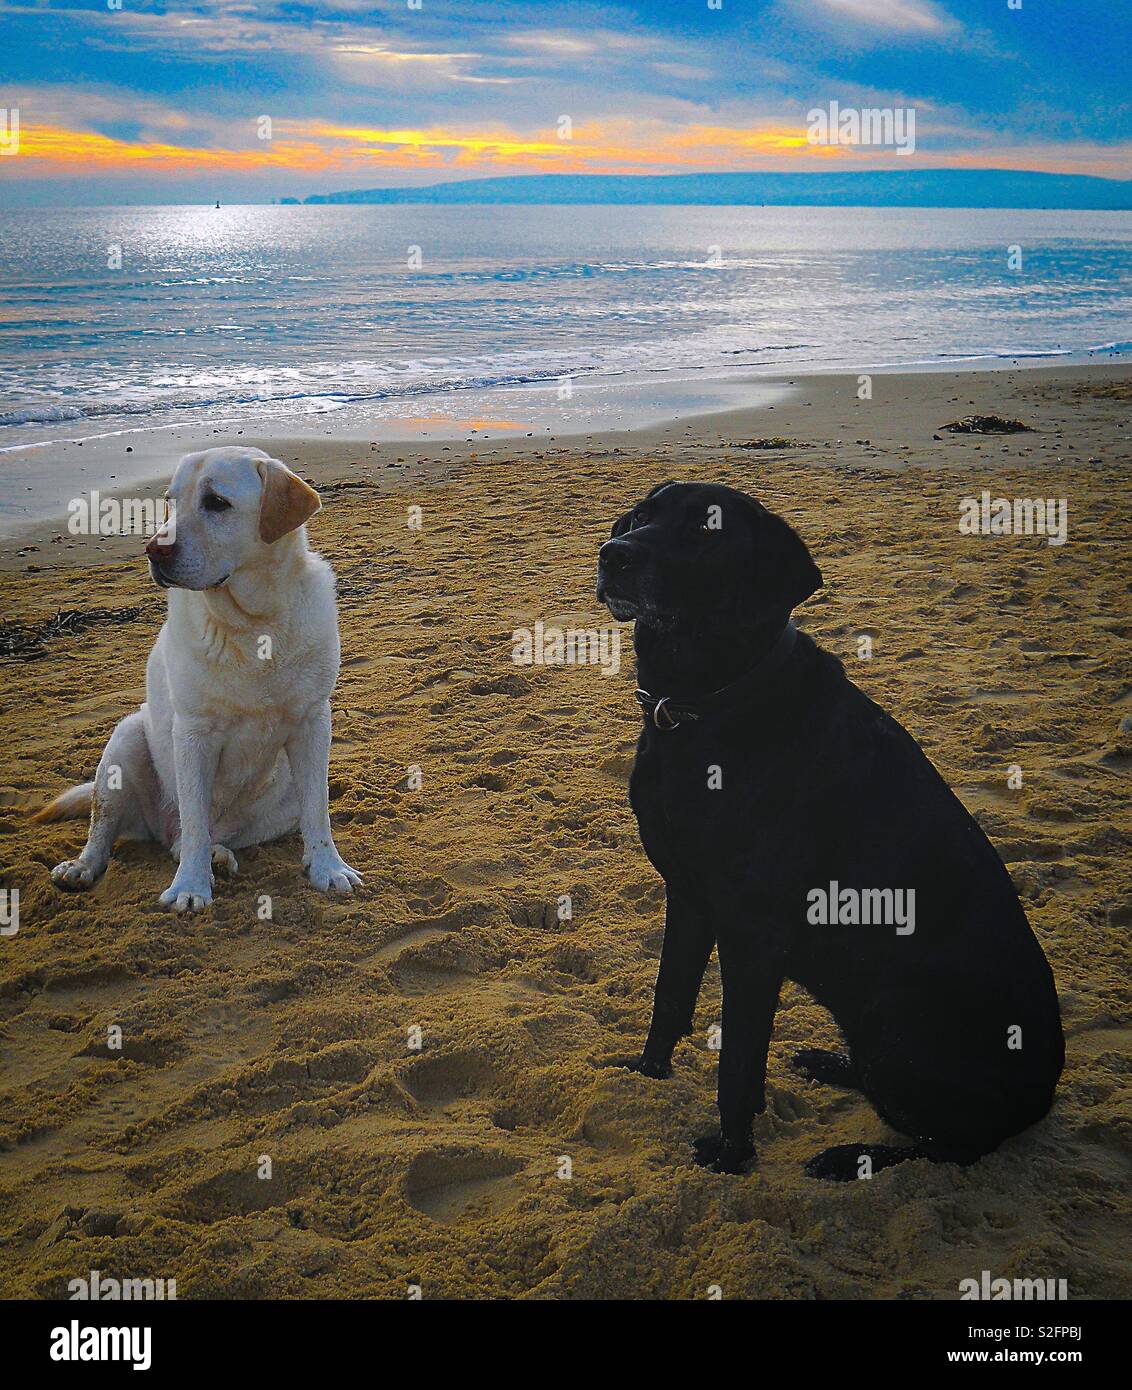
(803, 832)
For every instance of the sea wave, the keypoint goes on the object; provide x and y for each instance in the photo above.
(42, 415)
(163, 403)
(425, 377)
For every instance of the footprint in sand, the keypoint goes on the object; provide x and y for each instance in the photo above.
(430, 895)
(239, 1192)
(451, 1187)
(490, 781)
(427, 955)
(441, 1081)
(428, 964)
(511, 684)
(415, 936)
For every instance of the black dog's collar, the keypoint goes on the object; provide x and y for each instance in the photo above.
(669, 711)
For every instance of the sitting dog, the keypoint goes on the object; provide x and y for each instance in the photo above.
(802, 831)
(231, 747)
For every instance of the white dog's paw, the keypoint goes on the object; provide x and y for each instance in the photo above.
(223, 858)
(185, 896)
(330, 873)
(73, 875)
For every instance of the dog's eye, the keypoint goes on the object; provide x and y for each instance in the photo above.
(212, 503)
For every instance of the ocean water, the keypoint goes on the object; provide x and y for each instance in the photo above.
(276, 316)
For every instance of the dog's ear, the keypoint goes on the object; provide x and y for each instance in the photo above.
(787, 573)
(287, 501)
(621, 525)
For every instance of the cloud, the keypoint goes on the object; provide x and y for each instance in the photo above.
(381, 53)
(908, 17)
(378, 65)
(555, 44)
(569, 44)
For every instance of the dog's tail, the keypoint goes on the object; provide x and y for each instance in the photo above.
(69, 806)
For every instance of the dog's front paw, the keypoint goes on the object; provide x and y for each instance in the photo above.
(186, 895)
(330, 873)
(652, 1067)
(658, 1068)
(719, 1155)
(73, 875)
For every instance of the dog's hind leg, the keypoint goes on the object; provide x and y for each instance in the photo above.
(827, 1068)
(945, 1075)
(222, 857)
(845, 1162)
(123, 786)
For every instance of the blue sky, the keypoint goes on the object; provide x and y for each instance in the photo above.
(157, 102)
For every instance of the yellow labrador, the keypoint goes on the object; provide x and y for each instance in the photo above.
(232, 744)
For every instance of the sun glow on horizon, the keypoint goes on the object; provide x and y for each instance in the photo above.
(325, 149)
(322, 147)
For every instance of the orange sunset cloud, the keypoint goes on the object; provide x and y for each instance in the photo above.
(323, 147)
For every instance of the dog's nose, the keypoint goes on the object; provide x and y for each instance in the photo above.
(159, 548)
(615, 555)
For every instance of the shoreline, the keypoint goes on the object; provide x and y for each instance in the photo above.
(894, 429)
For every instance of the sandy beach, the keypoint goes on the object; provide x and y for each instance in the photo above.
(444, 1167)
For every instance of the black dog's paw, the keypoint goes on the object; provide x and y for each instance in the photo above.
(719, 1155)
(828, 1068)
(847, 1162)
(658, 1068)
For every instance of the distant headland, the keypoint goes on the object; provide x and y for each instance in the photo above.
(944, 188)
